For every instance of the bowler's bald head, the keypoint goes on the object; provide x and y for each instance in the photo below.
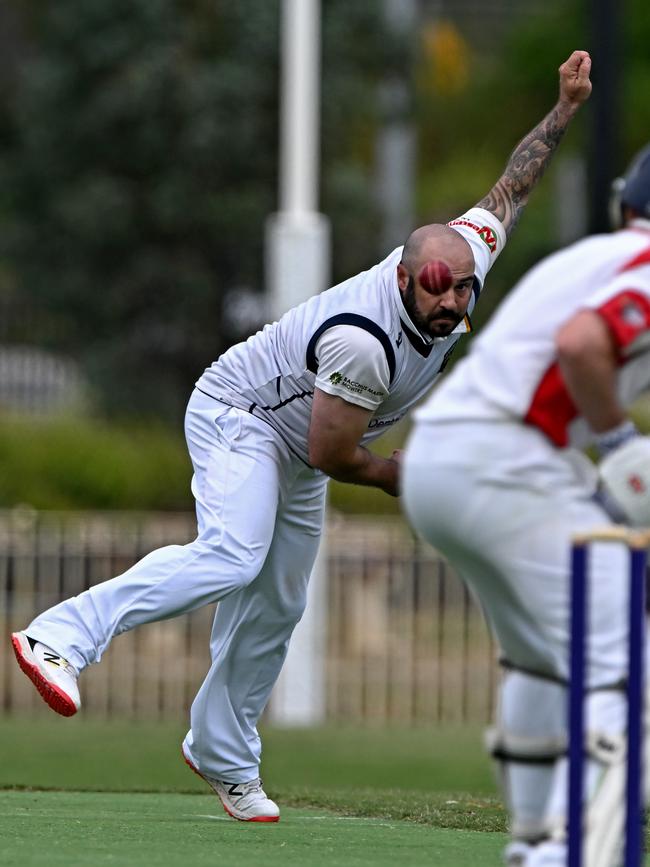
(437, 241)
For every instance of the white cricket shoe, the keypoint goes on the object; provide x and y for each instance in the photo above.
(549, 854)
(244, 801)
(516, 854)
(51, 674)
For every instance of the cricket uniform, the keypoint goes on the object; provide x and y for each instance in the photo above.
(259, 503)
(504, 427)
(502, 438)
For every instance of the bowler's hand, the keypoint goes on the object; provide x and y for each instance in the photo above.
(575, 85)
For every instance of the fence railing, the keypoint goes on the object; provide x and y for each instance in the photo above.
(33, 380)
(405, 641)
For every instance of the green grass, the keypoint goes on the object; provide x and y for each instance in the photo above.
(140, 830)
(84, 792)
(48, 751)
(81, 792)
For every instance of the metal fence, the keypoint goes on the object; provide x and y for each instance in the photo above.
(33, 380)
(405, 642)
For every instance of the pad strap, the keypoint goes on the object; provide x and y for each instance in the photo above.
(552, 678)
(521, 749)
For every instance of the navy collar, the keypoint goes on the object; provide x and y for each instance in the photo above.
(416, 340)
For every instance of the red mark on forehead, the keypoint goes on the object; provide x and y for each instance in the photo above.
(435, 276)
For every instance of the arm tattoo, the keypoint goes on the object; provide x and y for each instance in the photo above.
(527, 163)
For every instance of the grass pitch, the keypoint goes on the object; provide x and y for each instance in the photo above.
(81, 792)
(140, 830)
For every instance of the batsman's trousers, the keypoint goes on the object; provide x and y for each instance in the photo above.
(260, 513)
(502, 503)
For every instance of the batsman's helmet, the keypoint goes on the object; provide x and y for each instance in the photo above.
(633, 189)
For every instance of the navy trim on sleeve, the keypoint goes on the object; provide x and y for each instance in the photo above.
(360, 322)
(476, 288)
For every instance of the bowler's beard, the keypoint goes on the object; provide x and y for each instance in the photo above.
(432, 325)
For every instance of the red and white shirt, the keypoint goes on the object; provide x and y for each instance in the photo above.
(512, 371)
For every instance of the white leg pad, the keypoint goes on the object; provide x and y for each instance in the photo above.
(606, 813)
(604, 785)
(527, 741)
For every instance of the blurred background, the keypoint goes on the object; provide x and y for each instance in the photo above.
(139, 154)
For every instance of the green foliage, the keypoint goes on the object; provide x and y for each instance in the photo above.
(564, 26)
(140, 171)
(139, 164)
(360, 500)
(466, 136)
(356, 55)
(82, 464)
(64, 464)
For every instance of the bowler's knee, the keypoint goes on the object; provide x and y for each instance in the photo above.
(293, 609)
(237, 565)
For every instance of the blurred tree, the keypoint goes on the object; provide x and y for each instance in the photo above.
(357, 54)
(140, 171)
(466, 135)
(138, 166)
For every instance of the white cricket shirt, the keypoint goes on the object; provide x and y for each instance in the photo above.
(512, 371)
(354, 340)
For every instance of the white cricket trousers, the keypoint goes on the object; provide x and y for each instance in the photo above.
(502, 503)
(260, 513)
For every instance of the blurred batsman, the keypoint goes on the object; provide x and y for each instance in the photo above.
(266, 426)
(564, 356)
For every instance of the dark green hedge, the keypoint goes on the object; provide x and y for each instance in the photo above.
(79, 464)
(85, 464)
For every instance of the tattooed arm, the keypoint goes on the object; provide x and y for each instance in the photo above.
(528, 162)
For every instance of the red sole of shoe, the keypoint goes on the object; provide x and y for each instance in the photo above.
(51, 695)
(232, 815)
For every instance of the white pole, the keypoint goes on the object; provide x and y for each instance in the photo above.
(300, 107)
(297, 267)
(298, 237)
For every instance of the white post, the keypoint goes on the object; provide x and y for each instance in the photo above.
(297, 266)
(298, 236)
(300, 107)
